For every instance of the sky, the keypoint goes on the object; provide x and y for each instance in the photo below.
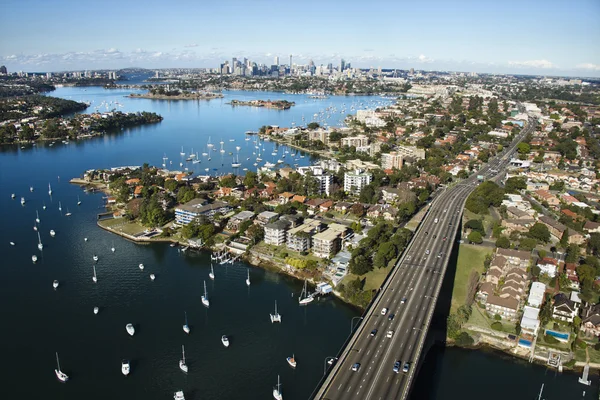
(542, 37)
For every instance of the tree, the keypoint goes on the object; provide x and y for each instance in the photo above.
(475, 237)
(523, 148)
(360, 265)
(313, 125)
(514, 184)
(357, 209)
(476, 225)
(464, 340)
(503, 242)
(171, 185)
(564, 239)
(385, 253)
(251, 179)
(527, 244)
(593, 244)
(185, 194)
(572, 253)
(539, 232)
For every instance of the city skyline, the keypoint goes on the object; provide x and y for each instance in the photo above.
(467, 36)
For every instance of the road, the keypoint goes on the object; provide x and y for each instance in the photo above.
(416, 277)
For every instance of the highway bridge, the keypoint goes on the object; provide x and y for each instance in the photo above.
(402, 310)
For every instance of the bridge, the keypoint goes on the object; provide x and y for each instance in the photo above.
(402, 310)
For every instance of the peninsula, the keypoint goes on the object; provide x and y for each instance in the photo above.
(276, 104)
(162, 94)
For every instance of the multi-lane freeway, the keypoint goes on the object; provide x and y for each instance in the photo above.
(380, 360)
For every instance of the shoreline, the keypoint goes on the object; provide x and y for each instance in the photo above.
(178, 97)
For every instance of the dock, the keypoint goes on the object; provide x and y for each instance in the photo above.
(584, 379)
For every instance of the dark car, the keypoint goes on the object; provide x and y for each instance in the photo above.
(434, 236)
(374, 332)
(356, 367)
(397, 366)
(391, 317)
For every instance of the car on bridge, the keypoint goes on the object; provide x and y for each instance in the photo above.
(373, 332)
(405, 368)
(397, 366)
(384, 311)
(403, 300)
(391, 317)
(356, 367)
(390, 334)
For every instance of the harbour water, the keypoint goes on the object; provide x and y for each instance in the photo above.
(38, 320)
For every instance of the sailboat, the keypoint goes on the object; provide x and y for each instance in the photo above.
(68, 213)
(141, 266)
(277, 390)
(205, 301)
(37, 216)
(59, 206)
(94, 278)
(96, 309)
(12, 196)
(34, 258)
(275, 317)
(209, 144)
(211, 274)
(197, 160)
(52, 233)
(225, 341)
(40, 245)
(236, 162)
(182, 152)
(125, 367)
(49, 189)
(248, 278)
(78, 201)
(186, 327)
(182, 365)
(130, 329)
(59, 374)
(22, 201)
(31, 188)
(307, 299)
(292, 361)
(113, 247)
(55, 284)
(95, 257)
(178, 395)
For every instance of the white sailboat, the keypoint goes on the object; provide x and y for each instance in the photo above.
(225, 340)
(182, 365)
(205, 301)
(37, 216)
(34, 258)
(141, 266)
(49, 189)
(248, 278)
(178, 395)
(292, 361)
(52, 233)
(95, 257)
(152, 277)
(59, 374)
(12, 196)
(22, 201)
(113, 247)
(307, 298)
(68, 213)
(182, 152)
(31, 188)
(125, 367)
(130, 329)
(236, 162)
(275, 317)
(277, 390)
(211, 274)
(186, 327)
(94, 278)
(55, 284)
(96, 309)
(59, 206)
(78, 201)
(40, 245)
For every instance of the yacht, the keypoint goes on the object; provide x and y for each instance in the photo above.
(248, 278)
(96, 310)
(55, 284)
(182, 365)
(292, 361)
(277, 390)
(305, 298)
(152, 277)
(59, 374)
(95, 257)
(225, 341)
(40, 245)
(22, 201)
(94, 278)
(37, 216)
(130, 329)
(205, 301)
(78, 201)
(141, 266)
(52, 233)
(34, 258)
(49, 189)
(186, 327)
(275, 317)
(125, 367)
(12, 196)
(178, 395)
(211, 274)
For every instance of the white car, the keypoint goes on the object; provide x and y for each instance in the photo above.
(390, 334)
(427, 251)
(384, 311)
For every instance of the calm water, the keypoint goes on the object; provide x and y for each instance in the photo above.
(38, 320)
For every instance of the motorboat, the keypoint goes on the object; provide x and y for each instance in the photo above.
(225, 341)
(141, 266)
(182, 365)
(52, 233)
(37, 216)
(96, 310)
(125, 367)
(85, 239)
(40, 245)
(113, 247)
(292, 361)
(78, 201)
(55, 284)
(31, 188)
(248, 278)
(34, 258)
(12, 196)
(59, 374)
(94, 278)
(95, 257)
(12, 243)
(22, 201)
(178, 395)
(152, 277)
(130, 329)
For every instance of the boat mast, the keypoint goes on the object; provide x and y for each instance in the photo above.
(57, 363)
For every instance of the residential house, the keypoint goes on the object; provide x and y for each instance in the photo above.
(571, 272)
(276, 232)
(530, 322)
(237, 220)
(385, 211)
(590, 323)
(536, 294)
(517, 225)
(186, 213)
(517, 258)
(355, 181)
(485, 289)
(548, 197)
(548, 266)
(507, 308)
(564, 308)
(265, 217)
(285, 197)
(342, 206)
(294, 219)
(591, 227)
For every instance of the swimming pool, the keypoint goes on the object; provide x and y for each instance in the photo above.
(559, 335)
(524, 343)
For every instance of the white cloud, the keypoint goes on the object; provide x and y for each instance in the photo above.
(590, 66)
(424, 59)
(191, 45)
(545, 64)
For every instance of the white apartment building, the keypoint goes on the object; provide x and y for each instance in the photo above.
(391, 160)
(275, 232)
(354, 181)
(411, 151)
(325, 180)
(356, 141)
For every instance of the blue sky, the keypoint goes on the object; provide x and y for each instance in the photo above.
(549, 37)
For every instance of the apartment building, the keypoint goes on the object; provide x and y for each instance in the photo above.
(354, 181)
(299, 238)
(356, 141)
(327, 243)
(275, 232)
(392, 160)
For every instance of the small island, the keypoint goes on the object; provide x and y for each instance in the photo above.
(276, 104)
(161, 93)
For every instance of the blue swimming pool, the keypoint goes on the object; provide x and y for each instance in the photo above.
(524, 343)
(558, 335)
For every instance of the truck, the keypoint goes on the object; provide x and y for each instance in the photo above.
(480, 178)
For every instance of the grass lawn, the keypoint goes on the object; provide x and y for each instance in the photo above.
(478, 318)
(470, 258)
(488, 219)
(594, 354)
(374, 278)
(122, 225)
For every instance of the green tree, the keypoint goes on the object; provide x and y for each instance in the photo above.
(572, 253)
(523, 148)
(475, 237)
(564, 239)
(464, 340)
(251, 179)
(503, 242)
(514, 184)
(476, 225)
(360, 265)
(539, 232)
(593, 244)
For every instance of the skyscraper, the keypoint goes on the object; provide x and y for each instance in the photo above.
(276, 60)
(233, 64)
(342, 65)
